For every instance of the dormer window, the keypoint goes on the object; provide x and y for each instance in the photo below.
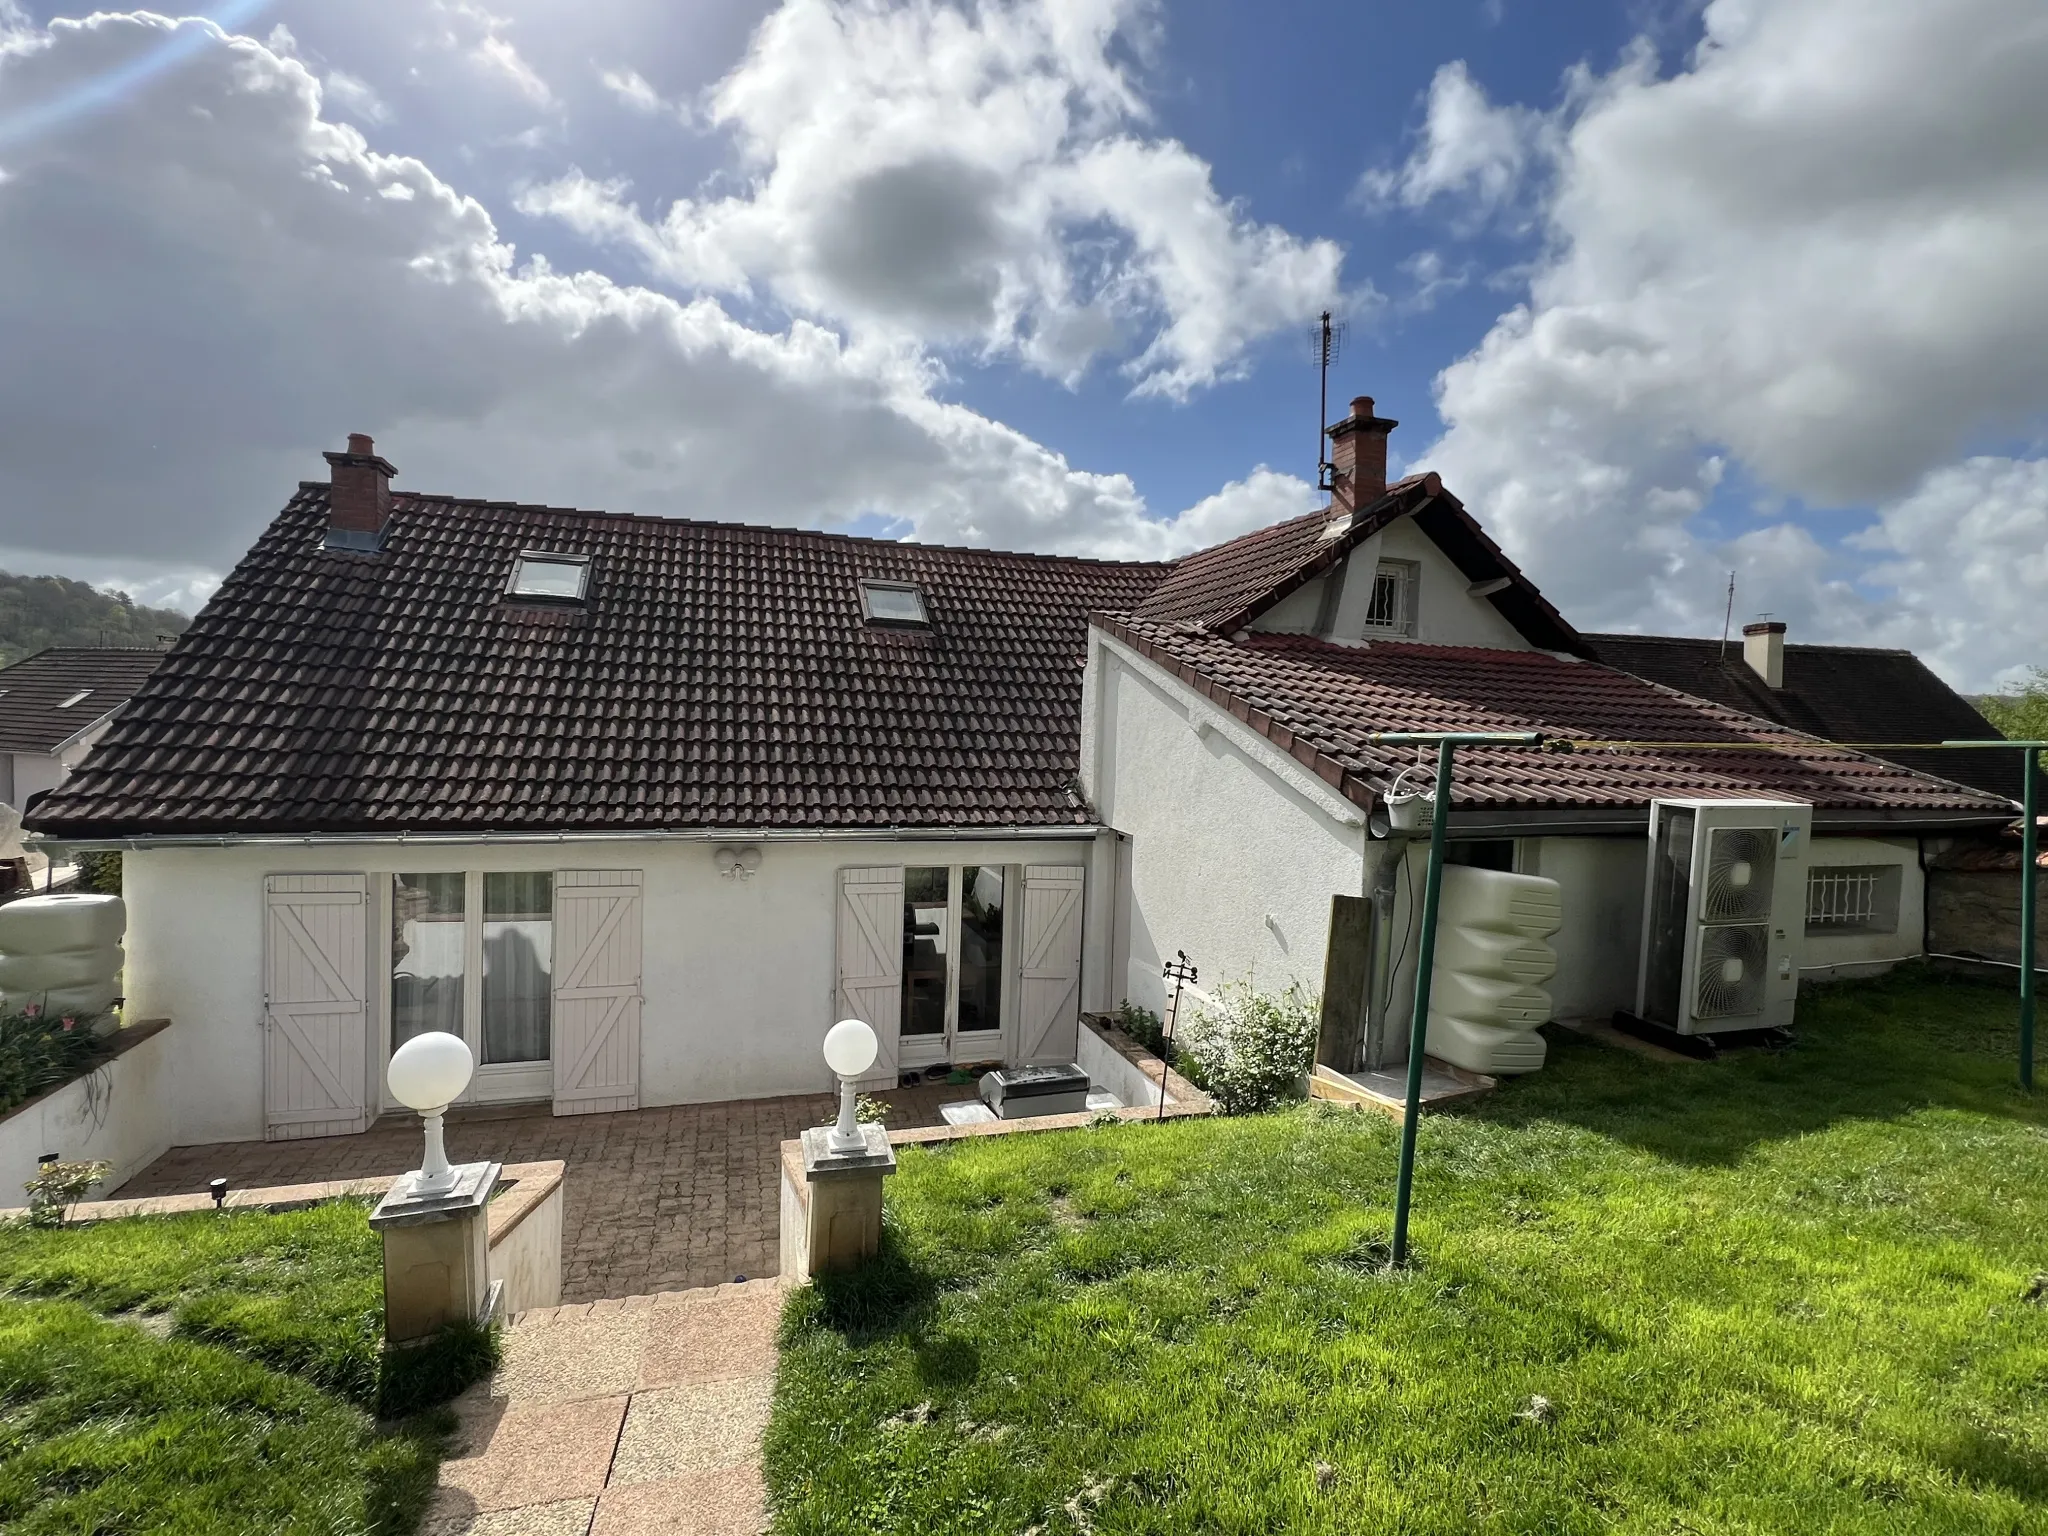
(549, 578)
(1392, 610)
(77, 698)
(896, 604)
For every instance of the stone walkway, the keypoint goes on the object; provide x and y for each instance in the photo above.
(633, 1417)
(653, 1199)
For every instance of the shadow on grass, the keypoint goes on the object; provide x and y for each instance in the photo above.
(413, 1377)
(889, 1294)
(1865, 1050)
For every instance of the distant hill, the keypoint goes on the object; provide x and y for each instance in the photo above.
(40, 611)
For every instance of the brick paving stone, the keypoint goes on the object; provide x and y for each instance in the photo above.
(653, 1199)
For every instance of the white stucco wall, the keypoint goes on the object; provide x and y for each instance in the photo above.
(739, 975)
(117, 1113)
(1224, 832)
(1854, 954)
(1600, 883)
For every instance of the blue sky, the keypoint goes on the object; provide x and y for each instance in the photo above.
(1664, 290)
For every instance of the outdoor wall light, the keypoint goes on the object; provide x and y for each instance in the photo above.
(427, 1074)
(850, 1048)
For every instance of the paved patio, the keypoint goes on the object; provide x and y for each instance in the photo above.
(653, 1199)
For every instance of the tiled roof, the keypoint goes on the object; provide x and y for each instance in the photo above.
(1841, 692)
(720, 676)
(1318, 702)
(33, 716)
(1226, 587)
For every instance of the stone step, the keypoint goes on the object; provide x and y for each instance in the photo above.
(730, 1294)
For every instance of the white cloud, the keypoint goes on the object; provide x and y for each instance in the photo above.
(247, 281)
(355, 97)
(477, 33)
(633, 90)
(1812, 256)
(1471, 150)
(935, 176)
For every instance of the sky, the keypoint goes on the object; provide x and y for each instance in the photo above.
(1664, 290)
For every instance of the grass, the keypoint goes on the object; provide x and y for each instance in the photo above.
(212, 1373)
(1785, 1291)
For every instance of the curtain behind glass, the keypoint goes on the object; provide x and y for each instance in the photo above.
(426, 955)
(519, 943)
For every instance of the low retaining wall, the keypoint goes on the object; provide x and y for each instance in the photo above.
(119, 1112)
(1111, 1059)
(524, 1221)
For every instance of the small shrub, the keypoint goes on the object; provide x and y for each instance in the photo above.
(99, 871)
(1143, 1026)
(1248, 1049)
(40, 1051)
(868, 1110)
(59, 1186)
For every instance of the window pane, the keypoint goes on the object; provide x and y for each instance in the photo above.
(924, 951)
(981, 947)
(519, 948)
(1386, 600)
(549, 578)
(902, 605)
(426, 955)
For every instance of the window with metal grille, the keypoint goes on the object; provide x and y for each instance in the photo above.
(1852, 898)
(1393, 598)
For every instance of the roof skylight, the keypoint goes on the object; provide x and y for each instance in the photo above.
(77, 698)
(892, 602)
(550, 577)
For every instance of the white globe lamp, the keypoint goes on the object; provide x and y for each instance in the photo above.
(427, 1074)
(850, 1049)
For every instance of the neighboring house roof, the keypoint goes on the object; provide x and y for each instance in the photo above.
(719, 676)
(1841, 692)
(1227, 587)
(39, 705)
(1318, 702)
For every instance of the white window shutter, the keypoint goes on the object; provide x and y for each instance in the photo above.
(316, 1027)
(871, 961)
(1049, 966)
(597, 991)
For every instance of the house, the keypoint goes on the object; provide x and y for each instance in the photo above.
(1225, 742)
(56, 705)
(1842, 693)
(639, 806)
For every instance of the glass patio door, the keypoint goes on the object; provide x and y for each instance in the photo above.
(472, 953)
(954, 947)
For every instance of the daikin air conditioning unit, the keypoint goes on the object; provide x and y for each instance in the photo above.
(1724, 915)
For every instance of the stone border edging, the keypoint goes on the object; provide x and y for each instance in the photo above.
(522, 1188)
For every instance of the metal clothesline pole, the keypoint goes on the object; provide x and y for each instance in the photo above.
(2030, 883)
(1446, 744)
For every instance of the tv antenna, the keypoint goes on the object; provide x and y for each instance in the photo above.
(1728, 618)
(1326, 341)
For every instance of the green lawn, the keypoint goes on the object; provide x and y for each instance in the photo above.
(211, 1373)
(1782, 1292)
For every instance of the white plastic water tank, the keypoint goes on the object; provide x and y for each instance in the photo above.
(1486, 997)
(62, 952)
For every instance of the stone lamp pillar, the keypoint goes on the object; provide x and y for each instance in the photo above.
(436, 1240)
(844, 1164)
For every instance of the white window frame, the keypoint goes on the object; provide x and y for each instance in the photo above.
(1407, 575)
(916, 1052)
(519, 1082)
(520, 561)
(895, 621)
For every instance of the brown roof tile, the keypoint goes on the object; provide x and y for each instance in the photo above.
(33, 713)
(1319, 702)
(720, 675)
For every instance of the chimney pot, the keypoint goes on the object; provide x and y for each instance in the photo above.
(359, 495)
(1358, 451)
(1763, 648)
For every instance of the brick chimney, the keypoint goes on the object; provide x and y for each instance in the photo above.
(1358, 448)
(359, 503)
(1763, 647)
